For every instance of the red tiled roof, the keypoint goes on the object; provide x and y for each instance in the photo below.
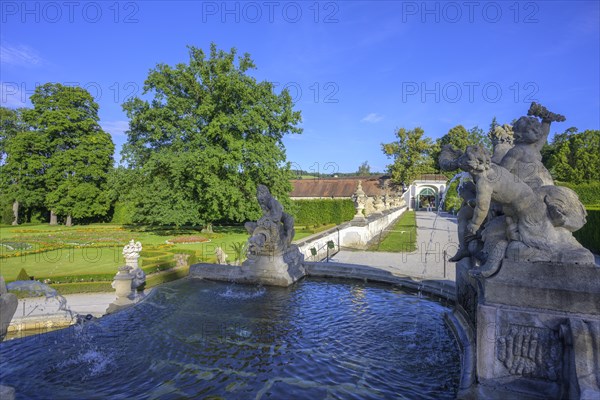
(433, 177)
(334, 187)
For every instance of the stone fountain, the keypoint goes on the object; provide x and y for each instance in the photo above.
(8, 306)
(271, 258)
(528, 294)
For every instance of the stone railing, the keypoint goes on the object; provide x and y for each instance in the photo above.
(350, 234)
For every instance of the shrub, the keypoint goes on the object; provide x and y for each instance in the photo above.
(452, 201)
(23, 275)
(323, 211)
(589, 193)
(188, 239)
(589, 235)
(123, 213)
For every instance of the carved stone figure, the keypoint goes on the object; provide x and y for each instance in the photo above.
(502, 140)
(370, 206)
(272, 259)
(221, 256)
(360, 200)
(530, 231)
(131, 253)
(524, 159)
(528, 297)
(379, 205)
(466, 190)
(274, 231)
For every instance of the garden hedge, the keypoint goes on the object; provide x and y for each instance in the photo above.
(589, 235)
(323, 211)
(589, 193)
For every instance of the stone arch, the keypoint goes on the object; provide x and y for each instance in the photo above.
(426, 195)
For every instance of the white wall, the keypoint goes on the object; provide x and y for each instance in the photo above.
(349, 235)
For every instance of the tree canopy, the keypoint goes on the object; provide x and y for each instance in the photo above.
(24, 152)
(78, 153)
(209, 135)
(364, 169)
(411, 155)
(574, 157)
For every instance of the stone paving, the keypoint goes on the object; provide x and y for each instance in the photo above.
(436, 242)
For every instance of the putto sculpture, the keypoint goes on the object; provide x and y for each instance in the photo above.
(517, 211)
(528, 294)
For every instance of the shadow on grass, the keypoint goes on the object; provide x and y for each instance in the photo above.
(165, 230)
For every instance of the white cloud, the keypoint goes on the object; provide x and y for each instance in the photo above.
(20, 56)
(372, 118)
(115, 128)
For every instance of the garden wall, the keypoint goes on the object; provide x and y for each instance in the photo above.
(349, 234)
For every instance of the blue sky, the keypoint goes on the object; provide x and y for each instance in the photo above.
(357, 70)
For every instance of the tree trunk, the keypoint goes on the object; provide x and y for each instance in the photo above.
(16, 212)
(53, 218)
(69, 221)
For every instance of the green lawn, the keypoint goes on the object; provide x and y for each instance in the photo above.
(57, 251)
(402, 237)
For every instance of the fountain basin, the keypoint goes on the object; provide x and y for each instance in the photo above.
(195, 338)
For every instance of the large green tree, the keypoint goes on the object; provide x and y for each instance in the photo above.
(23, 155)
(209, 134)
(411, 153)
(459, 137)
(79, 155)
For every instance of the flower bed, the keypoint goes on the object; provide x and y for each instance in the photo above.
(187, 240)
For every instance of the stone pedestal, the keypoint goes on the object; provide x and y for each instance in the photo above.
(536, 328)
(277, 270)
(122, 286)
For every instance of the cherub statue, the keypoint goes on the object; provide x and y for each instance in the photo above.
(530, 226)
(466, 190)
(502, 140)
(524, 159)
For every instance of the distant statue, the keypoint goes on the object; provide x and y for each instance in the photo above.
(274, 231)
(221, 256)
(131, 253)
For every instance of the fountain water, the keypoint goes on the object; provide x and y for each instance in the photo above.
(37, 288)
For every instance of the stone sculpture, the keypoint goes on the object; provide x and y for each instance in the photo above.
(360, 202)
(528, 294)
(131, 253)
(272, 259)
(536, 217)
(274, 231)
(221, 256)
(502, 141)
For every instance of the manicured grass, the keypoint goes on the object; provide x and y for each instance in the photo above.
(64, 262)
(402, 237)
(94, 252)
